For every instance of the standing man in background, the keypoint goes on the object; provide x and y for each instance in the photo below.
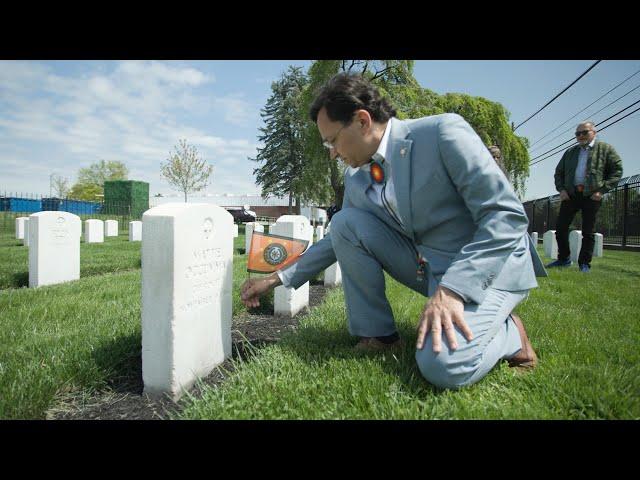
(497, 156)
(584, 174)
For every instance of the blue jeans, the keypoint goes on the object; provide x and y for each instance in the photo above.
(365, 248)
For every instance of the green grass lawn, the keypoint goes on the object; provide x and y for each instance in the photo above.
(76, 338)
(584, 328)
(116, 254)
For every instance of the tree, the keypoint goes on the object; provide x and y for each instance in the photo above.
(282, 156)
(98, 172)
(185, 170)
(90, 184)
(394, 78)
(60, 186)
(326, 173)
(87, 191)
(490, 120)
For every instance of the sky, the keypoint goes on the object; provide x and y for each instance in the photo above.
(59, 116)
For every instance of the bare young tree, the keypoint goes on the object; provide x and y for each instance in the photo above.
(185, 170)
(60, 186)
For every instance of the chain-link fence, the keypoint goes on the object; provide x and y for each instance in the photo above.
(618, 219)
(14, 205)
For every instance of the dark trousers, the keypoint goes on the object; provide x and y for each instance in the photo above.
(568, 210)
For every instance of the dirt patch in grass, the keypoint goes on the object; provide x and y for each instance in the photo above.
(124, 398)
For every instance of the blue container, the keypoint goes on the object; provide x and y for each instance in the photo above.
(25, 205)
(51, 204)
(80, 207)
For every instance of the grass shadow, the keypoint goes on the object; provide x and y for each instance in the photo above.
(20, 279)
(317, 345)
(617, 269)
(121, 361)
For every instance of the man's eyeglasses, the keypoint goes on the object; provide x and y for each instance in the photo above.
(582, 132)
(331, 144)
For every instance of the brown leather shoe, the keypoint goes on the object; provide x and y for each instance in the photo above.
(526, 358)
(372, 344)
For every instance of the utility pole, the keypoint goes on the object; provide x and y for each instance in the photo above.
(50, 183)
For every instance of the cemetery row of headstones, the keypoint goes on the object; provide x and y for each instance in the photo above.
(94, 230)
(187, 265)
(550, 244)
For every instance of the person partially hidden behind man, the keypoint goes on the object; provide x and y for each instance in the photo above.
(583, 175)
(425, 202)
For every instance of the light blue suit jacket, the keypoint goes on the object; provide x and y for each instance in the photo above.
(455, 204)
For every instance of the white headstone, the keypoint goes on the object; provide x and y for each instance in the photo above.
(93, 231)
(288, 301)
(54, 248)
(25, 238)
(135, 231)
(575, 243)
(187, 268)
(235, 230)
(110, 228)
(598, 248)
(534, 237)
(550, 244)
(332, 275)
(303, 229)
(321, 216)
(319, 232)
(20, 222)
(249, 228)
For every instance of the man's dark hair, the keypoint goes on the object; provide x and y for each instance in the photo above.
(345, 93)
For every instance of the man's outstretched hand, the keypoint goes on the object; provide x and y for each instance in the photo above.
(254, 287)
(444, 310)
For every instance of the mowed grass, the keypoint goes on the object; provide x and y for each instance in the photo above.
(84, 336)
(78, 337)
(116, 254)
(584, 327)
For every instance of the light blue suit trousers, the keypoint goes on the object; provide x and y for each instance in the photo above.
(365, 247)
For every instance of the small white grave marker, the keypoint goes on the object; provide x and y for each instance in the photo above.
(54, 249)
(110, 228)
(575, 244)
(93, 231)
(550, 244)
(135, 231)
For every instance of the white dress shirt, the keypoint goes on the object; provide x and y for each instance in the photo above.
(375, 192)
(581, 168)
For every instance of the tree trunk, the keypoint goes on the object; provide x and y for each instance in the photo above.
(185, 197)
(290, 202)
(336, 184)
(297, 205)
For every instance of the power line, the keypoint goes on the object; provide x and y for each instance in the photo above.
(608, 118)
(600, 129)
(566, 88)
(600, 98)
(592, 114)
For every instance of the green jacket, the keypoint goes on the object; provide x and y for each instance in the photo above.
(604, 169)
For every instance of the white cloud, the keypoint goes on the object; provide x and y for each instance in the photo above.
(128, 114)
(236, 110)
